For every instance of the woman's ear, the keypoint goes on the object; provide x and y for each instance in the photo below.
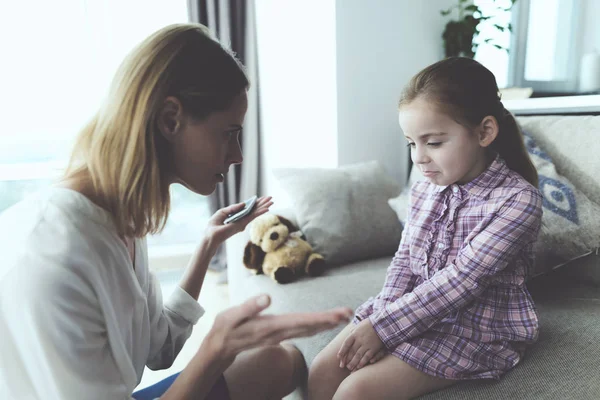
(170, 117)
(488, 130)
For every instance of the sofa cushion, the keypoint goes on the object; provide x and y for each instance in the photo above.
(570, 223)
(572, 142)
(344, 211)
(563, 364)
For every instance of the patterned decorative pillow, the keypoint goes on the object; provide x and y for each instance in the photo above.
(571, 221)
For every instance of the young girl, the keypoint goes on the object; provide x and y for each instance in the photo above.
(454, 305)
(80, 314)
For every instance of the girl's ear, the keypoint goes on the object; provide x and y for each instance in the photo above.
(488, 131)
(170, 117)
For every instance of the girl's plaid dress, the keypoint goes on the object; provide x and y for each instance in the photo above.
(454, 303)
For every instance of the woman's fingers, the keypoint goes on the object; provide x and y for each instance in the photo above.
(272, 329)
(247, 310)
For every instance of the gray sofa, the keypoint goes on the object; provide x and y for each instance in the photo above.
(563, 364)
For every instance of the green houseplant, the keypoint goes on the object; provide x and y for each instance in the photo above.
(461, 35)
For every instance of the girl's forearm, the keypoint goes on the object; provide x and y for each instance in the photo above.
(193, 277)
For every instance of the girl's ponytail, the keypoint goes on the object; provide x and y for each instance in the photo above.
(511, 147)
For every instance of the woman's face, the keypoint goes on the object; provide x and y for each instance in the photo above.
(203, 151)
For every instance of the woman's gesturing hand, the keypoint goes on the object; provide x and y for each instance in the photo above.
(218, 232)
(243, 327)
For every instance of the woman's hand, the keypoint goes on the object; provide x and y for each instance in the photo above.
(217, 232)
(360, 347)
(243, 327)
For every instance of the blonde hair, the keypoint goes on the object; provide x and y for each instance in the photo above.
(121, 148)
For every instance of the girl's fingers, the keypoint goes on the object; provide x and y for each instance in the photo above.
(364, 360)
(343, 352)
(380, 354)
(354, 355)
(355, 360)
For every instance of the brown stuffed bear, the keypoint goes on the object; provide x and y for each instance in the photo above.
(277, 250)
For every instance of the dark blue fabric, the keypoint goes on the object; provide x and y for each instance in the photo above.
(156, 390)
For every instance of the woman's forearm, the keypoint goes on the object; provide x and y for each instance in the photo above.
(193, 278)
(199, 376)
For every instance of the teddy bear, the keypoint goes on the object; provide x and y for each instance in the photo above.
(277, 249)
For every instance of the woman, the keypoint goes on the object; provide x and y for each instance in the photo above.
(81, 315)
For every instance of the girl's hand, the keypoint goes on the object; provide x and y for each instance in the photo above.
(243, 327)
(217, 232)
(361, 345)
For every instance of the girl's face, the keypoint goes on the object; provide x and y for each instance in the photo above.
(445, 151)
(203, 151)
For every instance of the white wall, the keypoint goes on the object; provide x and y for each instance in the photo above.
(381, 44)
(297, 86)
(331, 72)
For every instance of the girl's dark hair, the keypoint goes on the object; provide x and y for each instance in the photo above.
(467, 91)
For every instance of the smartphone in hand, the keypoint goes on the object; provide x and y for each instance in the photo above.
(248, 206)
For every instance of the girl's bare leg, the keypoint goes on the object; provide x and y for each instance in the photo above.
(389, 378)
(325, 374)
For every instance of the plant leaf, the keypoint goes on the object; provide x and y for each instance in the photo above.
(510, 27)
(446, 12)
(497, 46)
(472, 8)
(500, 27)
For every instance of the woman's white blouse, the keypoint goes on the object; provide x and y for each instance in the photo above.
(77, 321)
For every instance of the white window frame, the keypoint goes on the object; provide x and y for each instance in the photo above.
(573, 51)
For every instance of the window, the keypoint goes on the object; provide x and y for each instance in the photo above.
(493, 58)
(547, 44)
(59, 59)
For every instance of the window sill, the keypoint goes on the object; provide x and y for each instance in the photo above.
(554, 105)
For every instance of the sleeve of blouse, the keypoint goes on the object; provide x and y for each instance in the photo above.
(484, 254)
(54, 340)
(171, 323)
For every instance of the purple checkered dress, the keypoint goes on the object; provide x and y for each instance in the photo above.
(454, 303)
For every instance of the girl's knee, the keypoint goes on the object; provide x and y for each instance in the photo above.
(351, 389)
(322, 366)
(356, 387)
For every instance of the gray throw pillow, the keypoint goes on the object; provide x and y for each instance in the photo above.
(570, 224)
(344, 211)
